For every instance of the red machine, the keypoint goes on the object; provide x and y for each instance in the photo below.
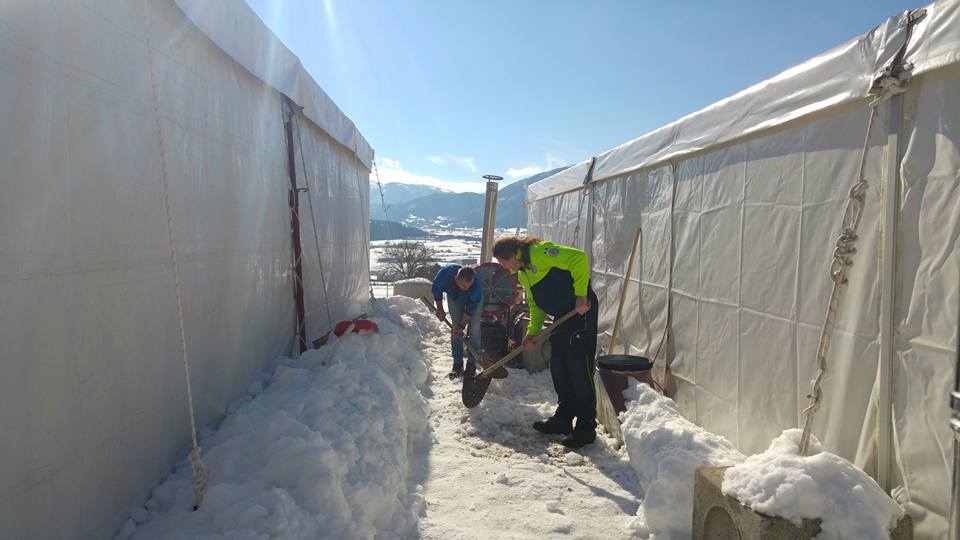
(500, 316)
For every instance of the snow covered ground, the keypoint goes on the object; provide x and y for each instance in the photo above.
(490, 475)
(376, 444)
(320, 448)
(451, 245)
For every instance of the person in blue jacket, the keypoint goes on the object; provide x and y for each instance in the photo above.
(465, 300)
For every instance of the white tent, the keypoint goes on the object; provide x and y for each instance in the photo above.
(103, 102)
(740, 204)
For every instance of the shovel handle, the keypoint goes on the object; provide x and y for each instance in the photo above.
(512, 354)
(339, 343)
(476, 357)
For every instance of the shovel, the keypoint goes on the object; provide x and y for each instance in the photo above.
(606, 414)
(475, 387)
(476, 357)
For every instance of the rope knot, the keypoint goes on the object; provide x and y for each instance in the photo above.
(887, 85)
(858, 191)
(201, 477)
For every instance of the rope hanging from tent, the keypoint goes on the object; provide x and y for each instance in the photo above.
(584, 194)
(383, 204)
(887, 85)
(313, 218)
(200, 472)
(383, 200)
(665, 337)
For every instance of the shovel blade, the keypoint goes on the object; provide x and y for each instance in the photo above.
(474, 388)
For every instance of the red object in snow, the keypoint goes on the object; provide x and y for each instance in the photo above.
(359, 324)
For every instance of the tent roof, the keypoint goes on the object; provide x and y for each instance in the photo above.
(841, 75)
(234, 27)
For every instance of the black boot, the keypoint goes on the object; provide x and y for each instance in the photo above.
(456, 373)
(580, 438)
(554, 426)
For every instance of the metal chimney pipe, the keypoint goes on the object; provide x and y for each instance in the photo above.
(489, 218)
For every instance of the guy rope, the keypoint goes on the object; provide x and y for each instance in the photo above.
(888, 83)
(201, 474)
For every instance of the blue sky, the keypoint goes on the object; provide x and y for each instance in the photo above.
(449, 90)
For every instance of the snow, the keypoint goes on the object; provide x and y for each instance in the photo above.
(413, 280)
(317, 452)
(781, 482)
(488, 474)
(665, 449)
(378, 445)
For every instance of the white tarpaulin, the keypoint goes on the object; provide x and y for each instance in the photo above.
(740, 205)
(92, 390)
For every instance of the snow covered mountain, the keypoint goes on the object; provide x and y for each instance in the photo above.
(396, 193)
(454, 209)
(391, 230)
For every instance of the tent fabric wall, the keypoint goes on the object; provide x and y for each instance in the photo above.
(237, 30)
(338, 186)
(927, 288)
(563, 219)
(740, 205)
(92, 392)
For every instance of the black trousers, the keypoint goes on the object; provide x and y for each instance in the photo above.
(573, 356)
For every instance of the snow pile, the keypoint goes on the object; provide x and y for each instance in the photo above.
(781, 482)
(313, 451)
(413, 280)
(665, 448)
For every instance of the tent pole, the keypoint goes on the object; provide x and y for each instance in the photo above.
(890, 205)
(294, 201)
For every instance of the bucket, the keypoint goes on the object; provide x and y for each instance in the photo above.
(617, 369)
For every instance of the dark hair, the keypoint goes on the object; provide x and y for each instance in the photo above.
(466, 273)
(506, 248)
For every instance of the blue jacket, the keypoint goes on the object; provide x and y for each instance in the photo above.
(444, 283)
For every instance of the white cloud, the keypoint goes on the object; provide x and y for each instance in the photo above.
(467, 163)
(388, 163)
(391, 170)
(550, 162)
(524, 172)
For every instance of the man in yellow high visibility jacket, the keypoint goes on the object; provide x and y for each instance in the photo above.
(557, 280)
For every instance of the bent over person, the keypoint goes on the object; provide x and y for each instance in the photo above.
(557, 280)
(465, 300)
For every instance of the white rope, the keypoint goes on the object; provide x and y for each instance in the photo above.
(313, 218)
(383, 201)
(383, 204)
(584, 193)
(889, 83)
(843, 252)
(201, 474)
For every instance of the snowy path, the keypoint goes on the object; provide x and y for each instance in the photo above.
(339, 447)
(488, 474)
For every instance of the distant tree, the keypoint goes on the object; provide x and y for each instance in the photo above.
(405, 260)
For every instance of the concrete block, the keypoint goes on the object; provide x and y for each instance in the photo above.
(718, 517)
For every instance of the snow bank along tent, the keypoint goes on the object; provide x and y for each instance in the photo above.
(109, 108)
(740, 205)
